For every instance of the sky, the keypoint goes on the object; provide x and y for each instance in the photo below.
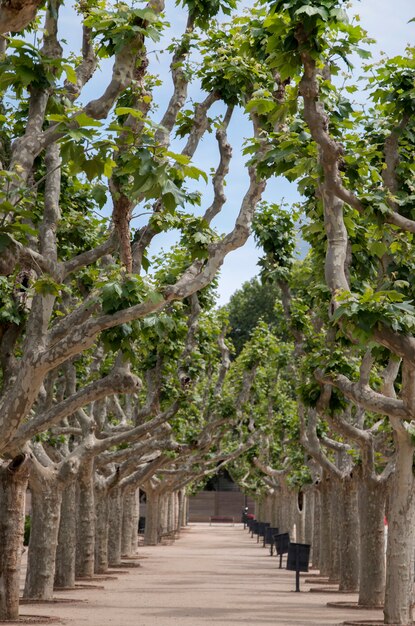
(385, 21)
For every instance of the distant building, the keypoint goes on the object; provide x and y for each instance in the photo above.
(220, 497)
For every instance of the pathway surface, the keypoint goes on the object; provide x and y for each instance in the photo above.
(213, 575)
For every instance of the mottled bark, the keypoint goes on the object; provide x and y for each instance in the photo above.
(15, 15)
(85, 527)
(181, 510)
(372, 542)
(163, 514)
(400, 550)
(276, 509)
(101, 527)
(325, 523)
(349, 536)
(171, 513)
(13, 484)
(316, 541)
(151, 534)
(129, 522)
(309, 496)
(335, 519)
(46, 490)
(300, 500)
(66, 549)
(115, 527)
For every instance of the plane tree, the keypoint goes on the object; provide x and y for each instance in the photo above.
(67, 274)
(355, 167)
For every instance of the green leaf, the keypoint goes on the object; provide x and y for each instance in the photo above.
(47, 286)
(70, 74)
(378, 248)
(84, 120)
(5, 241)
(364, 54)
(128, 111)
(108, 167)
(309, 10)
(155, 296)
(183, 159)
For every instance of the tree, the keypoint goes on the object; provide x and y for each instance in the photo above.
(69, 278)
(252, 302)
(354, 166)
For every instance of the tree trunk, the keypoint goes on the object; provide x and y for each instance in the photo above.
(349, 537)
(276, 509)
(151, 533)
(292, 515)
(268, 508)
(175, 510)
(372, 542)
(101, 526)
(13, 484)
(46, 490)
(335, 517)
(260, 508)
(309, 519)
(85, 528)
(134, 524)
(66, 550)
(181, 504)
(129, 521)
(400, 550)
(284, 511)
(325, 523)
(316, 530)
(171, 512)
(163, 514)
(301, 503)
(115, 527)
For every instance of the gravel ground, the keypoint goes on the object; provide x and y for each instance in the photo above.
(213, 575)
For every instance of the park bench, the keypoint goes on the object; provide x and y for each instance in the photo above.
(221, 519)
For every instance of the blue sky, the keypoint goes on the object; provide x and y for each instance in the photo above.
(384, 20)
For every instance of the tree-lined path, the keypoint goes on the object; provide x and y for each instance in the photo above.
(212, 575)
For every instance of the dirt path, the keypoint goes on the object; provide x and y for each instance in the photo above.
(213, 575)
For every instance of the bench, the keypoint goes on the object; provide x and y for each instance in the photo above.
(221, 519)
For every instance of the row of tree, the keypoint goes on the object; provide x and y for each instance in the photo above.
(345, 314)
(115, 372)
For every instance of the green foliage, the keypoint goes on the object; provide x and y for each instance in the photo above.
(153, 173)
(315, 26)
(202, 11)
(300, 477)
(248, 305)
(118, 295)
(121, 27)
(47, 286)
(333, 360)
(25, 66)
(27, 527)
(10, 310)
(197, 235)
(369, 309)
(392, 83)
(228, 70)
(274, 231)
(52, 440)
